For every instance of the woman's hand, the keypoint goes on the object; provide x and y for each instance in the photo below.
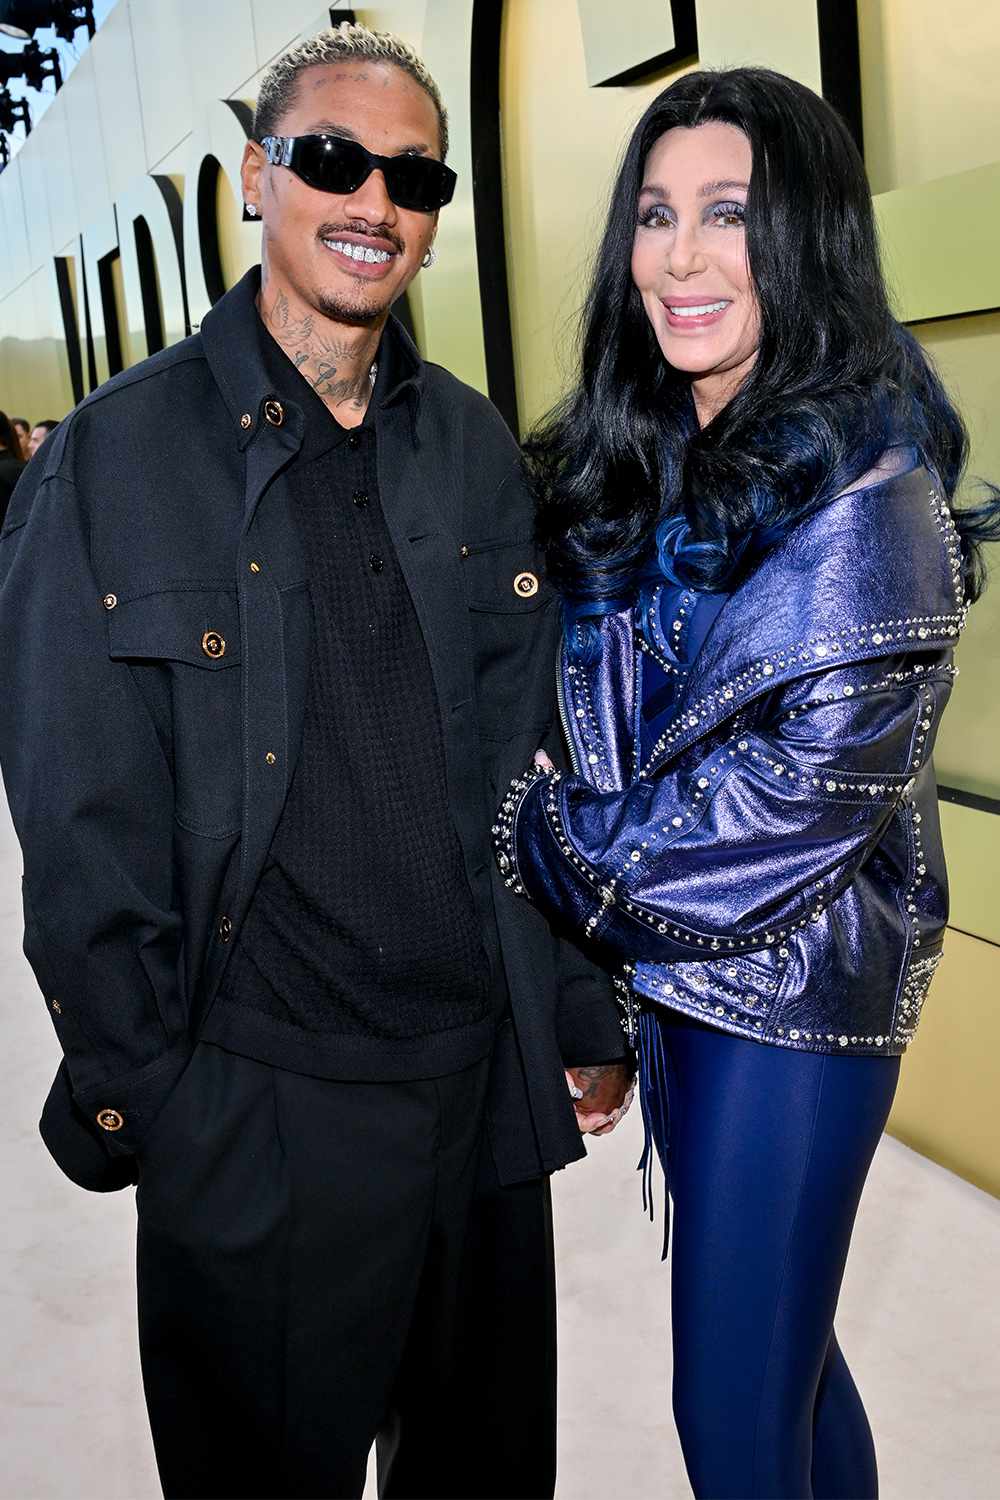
(541, 759)
(602, 1096)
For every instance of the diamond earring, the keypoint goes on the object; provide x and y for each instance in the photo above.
(429, 258)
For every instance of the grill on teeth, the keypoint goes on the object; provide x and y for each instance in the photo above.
(359, 252)
(698, 312)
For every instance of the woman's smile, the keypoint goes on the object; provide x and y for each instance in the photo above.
(689, 314)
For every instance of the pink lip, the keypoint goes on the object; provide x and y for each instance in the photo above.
(366, 270)
(706, 320)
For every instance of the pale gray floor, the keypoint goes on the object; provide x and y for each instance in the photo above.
(920, 1320)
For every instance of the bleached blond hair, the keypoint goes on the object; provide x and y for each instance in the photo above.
(346, 42)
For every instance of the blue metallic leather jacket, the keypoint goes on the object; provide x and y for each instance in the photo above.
(775, 867)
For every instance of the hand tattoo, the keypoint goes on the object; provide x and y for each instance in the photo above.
(589, 1079)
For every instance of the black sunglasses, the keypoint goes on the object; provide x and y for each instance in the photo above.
(336, 165)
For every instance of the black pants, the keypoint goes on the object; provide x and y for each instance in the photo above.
(322, 1264)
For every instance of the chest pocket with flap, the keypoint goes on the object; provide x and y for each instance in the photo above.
(504, 577)
(182, 642)
(513, 635)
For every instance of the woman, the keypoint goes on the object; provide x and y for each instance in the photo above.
(746, 505)
(11, 462)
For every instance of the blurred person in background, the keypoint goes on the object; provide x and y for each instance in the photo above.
(39, 433)
(749, 505)
(22, 427)
(259, 692)
(11, 461)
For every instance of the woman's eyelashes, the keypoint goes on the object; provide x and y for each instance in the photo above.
(729, 214)
(655, 216)
(726, 214)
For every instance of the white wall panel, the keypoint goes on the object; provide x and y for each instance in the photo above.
(218, 133)
(100, 240)
(15, 314)
(6, 281)
(161, 63)
(145, 200)
(50, 155)
(51, 392)
(275, 26)
(407, 18)
(36, 210)
(450, 297)
(118, 100)
(86, 138)
(219, 46)
(32, 362)
(279, 26)
(16, 235)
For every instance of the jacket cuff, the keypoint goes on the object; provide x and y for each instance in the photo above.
(73, 1143)
(537, 860)
(121, 1110)
(591, 1032)
(505, 828)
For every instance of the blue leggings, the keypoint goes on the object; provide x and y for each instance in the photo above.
(766, 1151)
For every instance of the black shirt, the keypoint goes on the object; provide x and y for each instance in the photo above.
(363, 932)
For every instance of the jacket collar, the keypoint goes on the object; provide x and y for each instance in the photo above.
(230, 334)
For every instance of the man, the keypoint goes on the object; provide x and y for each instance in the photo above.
(260, 692)
(39, 433)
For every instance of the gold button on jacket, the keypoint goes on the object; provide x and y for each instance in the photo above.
(213, 644)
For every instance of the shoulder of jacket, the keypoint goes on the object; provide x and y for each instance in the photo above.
(165, 392)
(188, 352)
(455, 399)
(141, 378)
(886, 509)
(876, 570)
(889, 546)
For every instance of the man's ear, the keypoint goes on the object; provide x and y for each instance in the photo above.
(251, 167)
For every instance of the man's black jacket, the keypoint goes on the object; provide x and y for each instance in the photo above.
(155, 630)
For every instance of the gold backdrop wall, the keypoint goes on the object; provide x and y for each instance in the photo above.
(146, 100)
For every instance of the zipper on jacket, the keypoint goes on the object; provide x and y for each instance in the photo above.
(563, 716)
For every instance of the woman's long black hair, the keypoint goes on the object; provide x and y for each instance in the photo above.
(837, 380)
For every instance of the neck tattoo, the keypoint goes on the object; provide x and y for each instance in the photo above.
(336, 368)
